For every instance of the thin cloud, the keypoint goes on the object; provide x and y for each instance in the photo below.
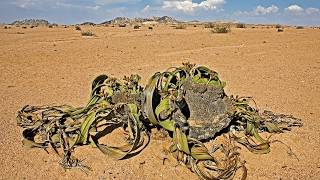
(313, 11)
(146, 8)
(190, 6)
(108, 2)
(68, 5)
(27, 3)
(260, 10)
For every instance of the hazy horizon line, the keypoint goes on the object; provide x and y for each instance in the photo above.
(137, 17)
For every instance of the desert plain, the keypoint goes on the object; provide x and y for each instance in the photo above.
(52, 66)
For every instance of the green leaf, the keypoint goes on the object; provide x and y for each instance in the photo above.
(85, 126)
(149, 94)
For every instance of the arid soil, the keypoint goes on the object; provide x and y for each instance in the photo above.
(56, 66)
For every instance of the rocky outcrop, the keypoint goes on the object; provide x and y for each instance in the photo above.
(125, 20)
(31, 22)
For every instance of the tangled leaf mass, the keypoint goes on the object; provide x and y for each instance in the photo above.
(188, 101)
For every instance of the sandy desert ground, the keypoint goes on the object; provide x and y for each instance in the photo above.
(56, 66)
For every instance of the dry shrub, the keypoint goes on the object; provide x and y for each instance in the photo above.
(87, 33)
(280, 30)
(209, 25)
(278, 26)
(78, 28)
(122, 25)
(181, 26)
(222, 28)
(5, 27)
(241, 25)
(150, 27)
(50, 26)
(299, 27)
(136, 27)
(24, 27)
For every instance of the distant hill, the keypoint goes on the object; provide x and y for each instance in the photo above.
(125, 20)
(32, 22)
(88, 24)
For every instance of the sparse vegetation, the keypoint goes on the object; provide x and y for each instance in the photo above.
(136, 27)
(50, 26)
(241, 25)
(122, 25)
(278, 26)
(87, 33)
(150, 27)
(5, 27)
(223, 28)
(209, 25)
(280, 30)
(299, 27)
(78, 28)
(24, 27)
(181, 26)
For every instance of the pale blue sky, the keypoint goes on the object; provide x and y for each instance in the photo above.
(293, 12)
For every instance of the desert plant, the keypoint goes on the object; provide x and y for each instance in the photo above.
(278, 26)
(87, 33)
(181, 26)
(50, 26)
(209, 25)
(5, 27)
(150, 27)
(116, 104)
(299, 27)
(136, 27)
(24, 27)
(122, 25)
(78, 28)
(221, 29)
(280, 30)
(241, 25)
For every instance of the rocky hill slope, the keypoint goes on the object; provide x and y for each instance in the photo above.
(125, 20)
(31, 22)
